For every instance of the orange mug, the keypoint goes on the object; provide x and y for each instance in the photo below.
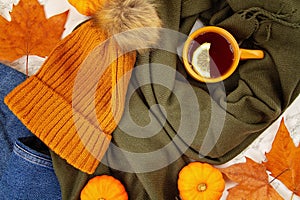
(211, 54)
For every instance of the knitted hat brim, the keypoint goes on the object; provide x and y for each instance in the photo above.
(76, 122)
(44, 111)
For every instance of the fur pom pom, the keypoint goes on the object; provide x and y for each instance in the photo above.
(132, 18)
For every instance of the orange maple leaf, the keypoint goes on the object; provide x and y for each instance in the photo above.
(283, 161)
(252, 180)
(29, 32)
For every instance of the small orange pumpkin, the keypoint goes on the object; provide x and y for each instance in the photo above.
(200, 181)
(87, 7)
(104, 188)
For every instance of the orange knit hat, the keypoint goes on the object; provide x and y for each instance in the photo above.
(63, 119)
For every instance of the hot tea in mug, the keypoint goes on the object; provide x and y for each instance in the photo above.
(211, 54)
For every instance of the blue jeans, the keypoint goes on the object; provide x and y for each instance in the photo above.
(10, 127)
(26, 170)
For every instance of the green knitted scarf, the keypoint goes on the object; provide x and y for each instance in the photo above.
(197, 121)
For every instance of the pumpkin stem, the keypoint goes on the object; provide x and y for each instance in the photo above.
(202, 187)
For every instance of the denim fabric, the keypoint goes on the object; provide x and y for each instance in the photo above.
(26, 170)
(30, 174)
(10, 127)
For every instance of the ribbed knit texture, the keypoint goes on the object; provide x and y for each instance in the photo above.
(63, 119)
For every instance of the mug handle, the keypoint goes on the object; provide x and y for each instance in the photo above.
(251, 54)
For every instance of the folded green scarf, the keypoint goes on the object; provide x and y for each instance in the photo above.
(226, 116)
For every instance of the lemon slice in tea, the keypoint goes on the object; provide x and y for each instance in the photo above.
(201, 60)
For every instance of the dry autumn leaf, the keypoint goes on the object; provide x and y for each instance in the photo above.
(29, 32)
(252, 180)
(283, 160)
